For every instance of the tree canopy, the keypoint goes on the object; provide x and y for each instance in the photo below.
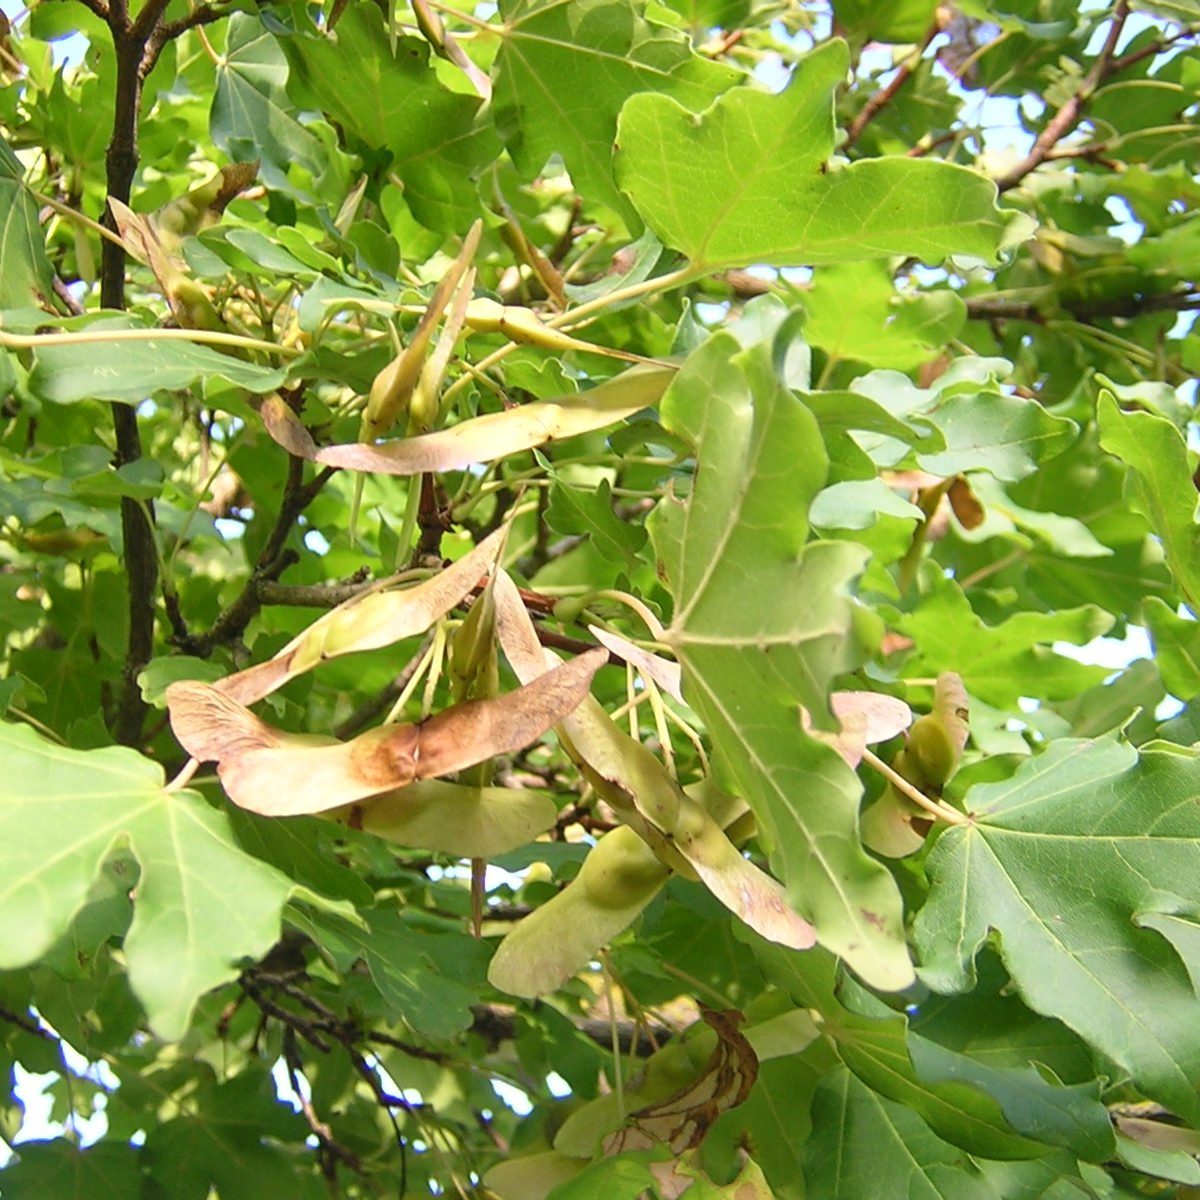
(552, 563)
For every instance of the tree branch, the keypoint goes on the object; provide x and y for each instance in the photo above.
(1068, 116)
(983, 308)
(137, 518)
(881, 99)
(273, 560)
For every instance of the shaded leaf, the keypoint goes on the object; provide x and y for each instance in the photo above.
(282, 774)
(1027, 866)
(1161, 485)
(390, 96)
(252, 116)
(749, 181)
(864, 1146)
(26, 276)
(619, 877)
(682, 1120)
(451, 818)
(134, 372)
(108, 1171)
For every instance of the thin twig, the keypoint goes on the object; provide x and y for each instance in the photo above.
(882, 98)
(273, 560)
(1069, 114)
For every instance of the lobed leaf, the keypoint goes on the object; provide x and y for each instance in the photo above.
(677, 827)
(201, 903)
(1162, 486)
(749, 180)
(1029, 865)
(752, 657)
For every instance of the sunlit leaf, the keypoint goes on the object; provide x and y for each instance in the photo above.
(749, 181)
(201, 902)
(564, 71)
(753, 657)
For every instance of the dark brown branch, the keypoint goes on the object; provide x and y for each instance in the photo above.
(882, 98)
(137, 518)
(99, 8)
(273, 560)
(64, 294)
(1069, 114)
(368, 712)
(311, 595)
(1150, 49)
(26, 1023)
(203, 14)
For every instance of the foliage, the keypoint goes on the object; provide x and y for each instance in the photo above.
(615, 521)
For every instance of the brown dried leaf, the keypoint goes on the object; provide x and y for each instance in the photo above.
(368, 622)
(480, 439)
(277, 774)
(681, 1121)
(964, 503)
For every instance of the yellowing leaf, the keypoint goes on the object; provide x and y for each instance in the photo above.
(641, 791)
(451, 818)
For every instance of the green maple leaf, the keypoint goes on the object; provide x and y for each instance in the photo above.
(749, 180)
(200, 905)
(564, 71)
(763, 622)
(1084, 863)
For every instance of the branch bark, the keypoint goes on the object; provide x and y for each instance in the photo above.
(1069, 114)
(137, 518)
(882, 98)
